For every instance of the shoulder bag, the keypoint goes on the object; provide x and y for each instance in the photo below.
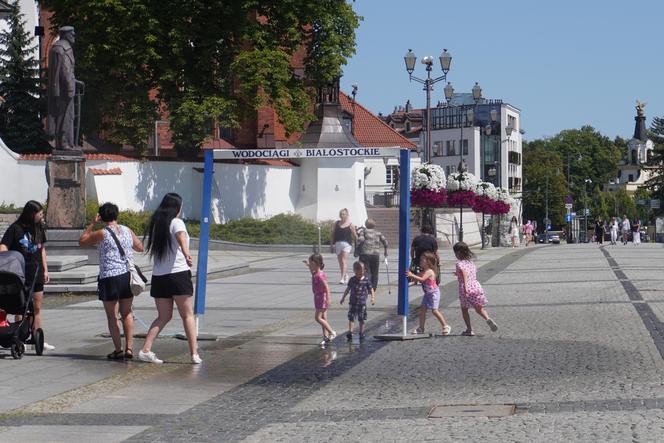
(137, 280)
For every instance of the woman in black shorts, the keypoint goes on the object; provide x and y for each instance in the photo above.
(27, 235)
(168, 243)
(113, 284)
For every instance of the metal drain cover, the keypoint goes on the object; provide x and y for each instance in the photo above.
(442, 411)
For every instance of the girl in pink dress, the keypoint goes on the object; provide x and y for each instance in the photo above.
(321, 296)
(471, 294)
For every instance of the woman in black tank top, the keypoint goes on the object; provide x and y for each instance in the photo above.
(342, 237)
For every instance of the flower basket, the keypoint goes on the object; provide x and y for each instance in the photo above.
(461, 198)
(427, 187)
(483, 204)
(427, 198)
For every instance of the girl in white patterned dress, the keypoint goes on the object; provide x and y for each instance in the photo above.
(471, 294)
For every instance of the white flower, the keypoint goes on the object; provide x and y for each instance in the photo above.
(427, 176)
(487, 189)
(462, 181)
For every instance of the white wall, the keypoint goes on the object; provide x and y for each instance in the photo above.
(31, 18)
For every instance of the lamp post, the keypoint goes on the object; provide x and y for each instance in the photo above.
(585, 208)
(470, 117)
(445, 62)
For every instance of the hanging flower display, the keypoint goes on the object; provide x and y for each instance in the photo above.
(504, 202)
(461, 187)
(485, 198)
(427, 186)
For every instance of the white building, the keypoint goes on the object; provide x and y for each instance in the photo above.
(492, 150)
(633, 171)
(30, 11)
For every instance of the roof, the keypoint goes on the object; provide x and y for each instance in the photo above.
(5, 7)
(107, 157)
(369, 130)
(99, 171)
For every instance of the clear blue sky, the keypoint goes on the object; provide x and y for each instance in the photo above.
(564, 63)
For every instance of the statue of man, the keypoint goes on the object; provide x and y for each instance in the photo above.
(62, 89)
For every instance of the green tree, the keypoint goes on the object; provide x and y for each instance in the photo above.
(20, 125)
(208, 61)
(656, 183)
(543, 178)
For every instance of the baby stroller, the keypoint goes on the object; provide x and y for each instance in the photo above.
(16, 299)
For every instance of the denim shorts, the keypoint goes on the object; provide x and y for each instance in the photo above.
(357, 312)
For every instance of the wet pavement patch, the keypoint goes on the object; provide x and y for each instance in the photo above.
(443, 411)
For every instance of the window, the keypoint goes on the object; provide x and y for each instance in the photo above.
(630, 178)
(465, 147)
(438, 148)
(451, 147)
(511, 121)
(391, 174)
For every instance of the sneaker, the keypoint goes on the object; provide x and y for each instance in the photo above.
(323, 343)
(332, 336)
(196, 359)
(349, 336)
(492, 324)
(363, 336)
(48, 347)
(149, 357)
(468, 333)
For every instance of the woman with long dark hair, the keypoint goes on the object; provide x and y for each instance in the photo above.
(113, 285)
(27, 235)
(168, 244)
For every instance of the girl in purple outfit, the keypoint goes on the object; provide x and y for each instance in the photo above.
(471, 294)
(321, 296)
(431, 298)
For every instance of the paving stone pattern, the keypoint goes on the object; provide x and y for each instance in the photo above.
(579, 352)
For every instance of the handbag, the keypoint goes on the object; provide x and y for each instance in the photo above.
(137, 280)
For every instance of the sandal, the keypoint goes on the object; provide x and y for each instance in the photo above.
(115, 355)
(447, 329)
(417, 331)
(468, 333)
(129, 354)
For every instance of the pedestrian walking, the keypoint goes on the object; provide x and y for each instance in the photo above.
(343, 236)
(27, 235)
(425, 242)
(168, 244)
(625, 226)
(528, 232)
(431, 298)
(514, 231)
(321, 292)
(369, 244)
(113, 283)
(359, 287)
(636, 231)
(599, 231)
(471, 293)
(613, 228)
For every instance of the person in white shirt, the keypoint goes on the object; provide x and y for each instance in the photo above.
(168, 244)
(625, 229)
(614, 230)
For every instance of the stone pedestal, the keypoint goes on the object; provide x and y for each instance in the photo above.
(65, 172)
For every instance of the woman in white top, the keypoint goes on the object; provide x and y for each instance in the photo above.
(168, 244)
(614, 230)
(514, 231)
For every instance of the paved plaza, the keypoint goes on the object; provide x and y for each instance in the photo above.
(578, 355)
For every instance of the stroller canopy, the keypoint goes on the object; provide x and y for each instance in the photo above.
(12, 262)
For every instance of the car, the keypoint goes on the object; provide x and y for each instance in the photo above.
(552, 236)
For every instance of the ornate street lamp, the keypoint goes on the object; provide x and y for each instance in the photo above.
(445, 62)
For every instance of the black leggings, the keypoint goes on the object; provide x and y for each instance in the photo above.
(371, 263)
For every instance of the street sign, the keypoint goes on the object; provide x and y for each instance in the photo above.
(587, 210)
(641, 202)
(568, 206)
(569, 200)
(568, 218)
(573, 214)
(654, 204)
(548, 227)
(547, 221)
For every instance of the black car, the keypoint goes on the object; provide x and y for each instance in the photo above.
(552, 237)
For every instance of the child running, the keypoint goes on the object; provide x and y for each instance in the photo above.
(471, 294)
(359, 287)
(321, 296)
(431, 299)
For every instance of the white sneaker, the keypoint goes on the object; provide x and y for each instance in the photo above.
(323, 343)
(149, 357)
(196, 359)
(332, 336)
(492, 325)
(48, 347)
